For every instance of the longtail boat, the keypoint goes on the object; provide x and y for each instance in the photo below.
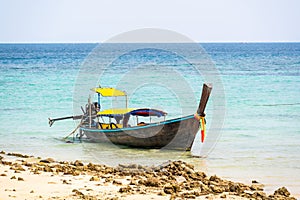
(112, 125)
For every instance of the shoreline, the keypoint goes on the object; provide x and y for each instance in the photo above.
(28, 177)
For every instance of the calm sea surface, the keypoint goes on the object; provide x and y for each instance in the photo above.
(259, 138)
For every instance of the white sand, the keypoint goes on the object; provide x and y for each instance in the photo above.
(48, 185)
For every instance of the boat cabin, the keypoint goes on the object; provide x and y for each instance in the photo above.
(115, 118)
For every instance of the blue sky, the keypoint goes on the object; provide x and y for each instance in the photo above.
(99, 20)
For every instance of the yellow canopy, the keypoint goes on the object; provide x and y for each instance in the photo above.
(115, 111)
(109, 92)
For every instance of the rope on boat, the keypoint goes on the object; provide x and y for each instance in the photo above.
(72, 133)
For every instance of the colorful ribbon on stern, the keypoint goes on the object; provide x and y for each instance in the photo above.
(202, 126)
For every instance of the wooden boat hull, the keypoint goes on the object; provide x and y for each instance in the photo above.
(176, 134)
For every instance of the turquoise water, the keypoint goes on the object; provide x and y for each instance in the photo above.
(259, 138)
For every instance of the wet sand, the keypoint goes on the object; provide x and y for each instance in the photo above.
(27, 177)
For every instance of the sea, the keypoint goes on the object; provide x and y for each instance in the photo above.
(253, 114)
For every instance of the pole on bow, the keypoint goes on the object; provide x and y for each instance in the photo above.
(200, 115)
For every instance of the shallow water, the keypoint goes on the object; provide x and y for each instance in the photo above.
(258, 140)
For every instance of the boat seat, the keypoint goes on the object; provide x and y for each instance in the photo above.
(109, 126)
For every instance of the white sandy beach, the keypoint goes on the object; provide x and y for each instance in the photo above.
(23, 177)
